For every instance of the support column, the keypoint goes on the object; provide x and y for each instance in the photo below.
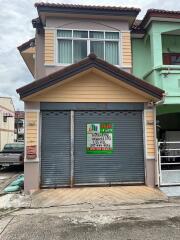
(156, 48)
(32, 147)
(150, 146)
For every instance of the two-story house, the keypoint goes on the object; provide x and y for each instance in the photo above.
(156, 59)
(89, 121)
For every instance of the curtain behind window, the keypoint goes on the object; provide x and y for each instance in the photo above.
(79, 50)
(64, 33)
(97, 47)
(111, 52)
(96, 34)
(112, 35)
(80, 34)
(65, 51)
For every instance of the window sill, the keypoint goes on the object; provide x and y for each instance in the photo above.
(66, 65)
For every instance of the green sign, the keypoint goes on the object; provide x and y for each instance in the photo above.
(99, 138)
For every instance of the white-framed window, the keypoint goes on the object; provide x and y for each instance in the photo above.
(74, 45)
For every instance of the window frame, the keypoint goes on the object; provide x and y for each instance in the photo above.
(119, 41)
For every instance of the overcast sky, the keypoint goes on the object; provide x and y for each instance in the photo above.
(16, 28)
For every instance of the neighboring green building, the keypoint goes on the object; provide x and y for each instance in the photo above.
(156, 59)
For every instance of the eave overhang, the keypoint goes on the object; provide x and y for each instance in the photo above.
(90, 62)
(27, 51)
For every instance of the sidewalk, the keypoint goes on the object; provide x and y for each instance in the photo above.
(96, 196)
(89, 197)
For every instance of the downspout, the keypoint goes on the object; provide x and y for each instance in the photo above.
(162, 100)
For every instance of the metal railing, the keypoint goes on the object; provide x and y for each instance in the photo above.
(169, 163)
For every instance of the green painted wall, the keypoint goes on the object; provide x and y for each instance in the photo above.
(148, 62)
(141, 57)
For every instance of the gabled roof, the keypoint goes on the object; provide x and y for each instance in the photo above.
(90, 62)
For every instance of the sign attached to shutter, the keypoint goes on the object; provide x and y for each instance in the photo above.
(99, 138)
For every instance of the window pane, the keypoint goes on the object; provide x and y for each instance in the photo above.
(64, 33)
(95, 34)
(112, 52)
(97, 47)
(79, 50)
(112, 35)
(175, 60)
(80, 34)
(64, 51)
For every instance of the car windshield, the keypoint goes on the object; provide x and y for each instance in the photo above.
(16, 147)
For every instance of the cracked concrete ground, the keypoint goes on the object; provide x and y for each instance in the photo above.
(135, 222)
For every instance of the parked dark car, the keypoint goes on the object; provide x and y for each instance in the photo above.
(12, 154)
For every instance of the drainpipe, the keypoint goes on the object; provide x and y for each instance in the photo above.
(162, 100)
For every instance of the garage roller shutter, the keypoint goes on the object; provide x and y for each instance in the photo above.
(125, 164)
(55, 150)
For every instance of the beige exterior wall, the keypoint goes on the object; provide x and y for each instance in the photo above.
(151, 161)
(126, 49)
(87, 23)
(46, 42)
(6, 127)
(49, 45)
(32, 138)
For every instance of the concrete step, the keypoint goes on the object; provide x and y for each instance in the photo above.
(171, 191)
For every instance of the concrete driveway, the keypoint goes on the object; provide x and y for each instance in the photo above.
(96, 197)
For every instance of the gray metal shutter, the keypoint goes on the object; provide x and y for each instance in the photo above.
(125, 164)
(55, 149)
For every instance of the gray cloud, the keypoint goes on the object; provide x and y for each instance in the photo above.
(16, 28)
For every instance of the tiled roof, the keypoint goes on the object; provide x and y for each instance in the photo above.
(92, 7)
(159, 13)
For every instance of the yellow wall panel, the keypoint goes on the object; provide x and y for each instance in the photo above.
(150, 134)
(126, 49)
(31, 130)
(49, 47)
(89, 88)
